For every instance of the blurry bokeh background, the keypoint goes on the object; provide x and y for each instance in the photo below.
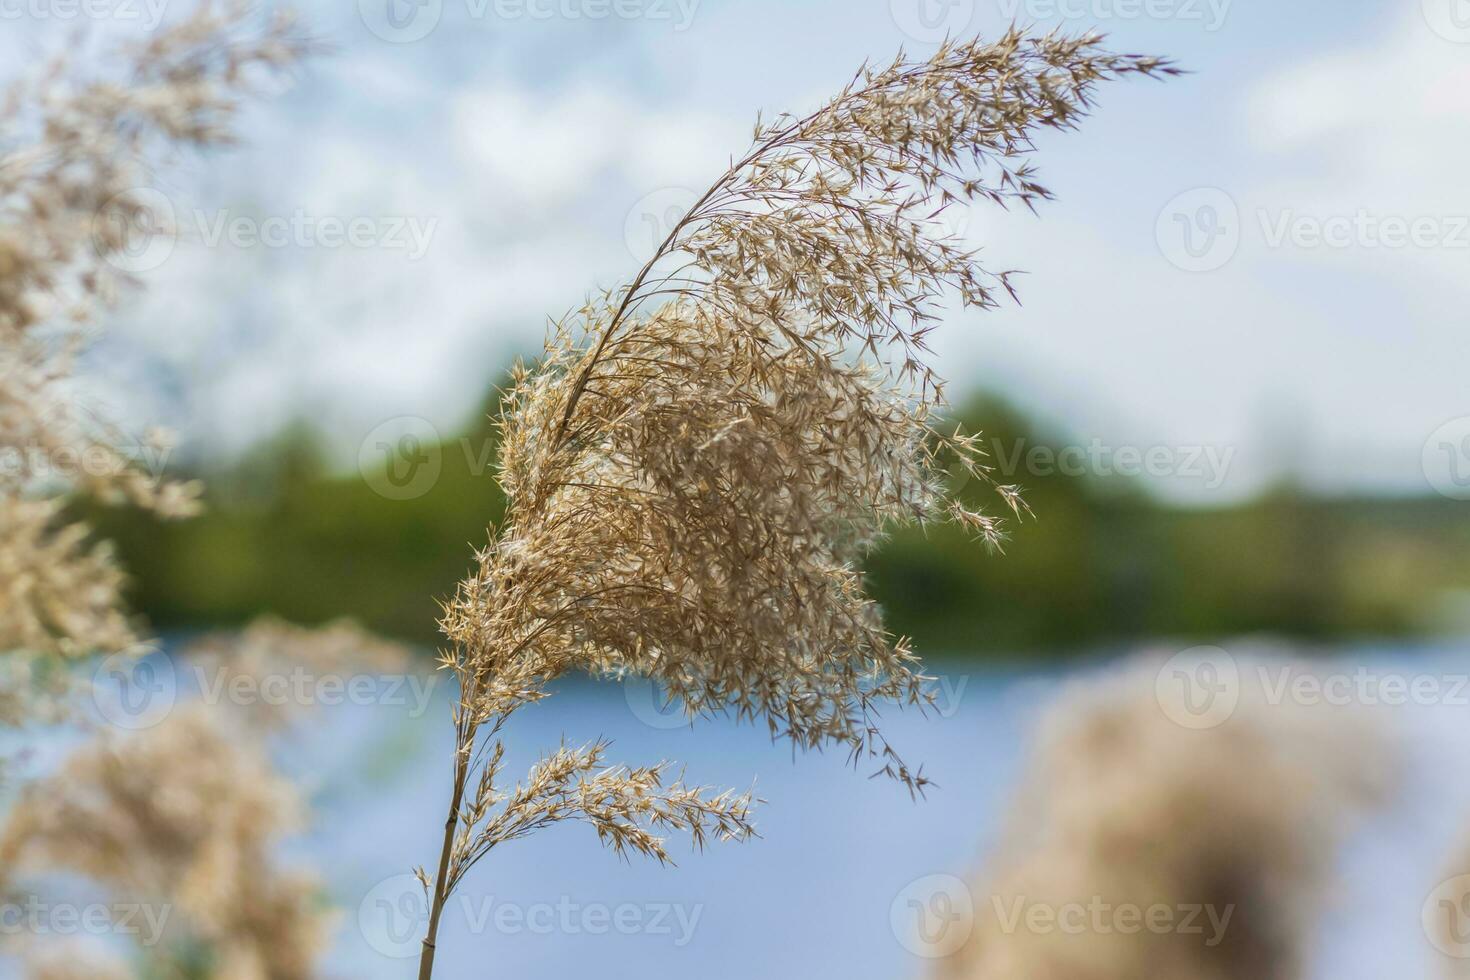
(1234, 393)
(1233, 388)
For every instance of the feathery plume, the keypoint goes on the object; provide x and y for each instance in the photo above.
(182, 817)
(700, 460)
(77, 152)
(1233, 828)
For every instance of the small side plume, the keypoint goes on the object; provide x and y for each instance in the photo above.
(1176, 822)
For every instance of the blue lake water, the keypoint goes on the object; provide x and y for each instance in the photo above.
(814, 897)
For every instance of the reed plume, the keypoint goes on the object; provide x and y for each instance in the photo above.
(700, 460)
(78, 152)
(1122, 808)
(182, 819)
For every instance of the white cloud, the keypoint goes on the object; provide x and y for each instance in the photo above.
(550, 146)
(544, 147)
(1386, 125)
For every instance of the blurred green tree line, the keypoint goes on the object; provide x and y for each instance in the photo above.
(1100, 562)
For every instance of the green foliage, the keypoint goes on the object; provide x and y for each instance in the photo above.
(1100, 562)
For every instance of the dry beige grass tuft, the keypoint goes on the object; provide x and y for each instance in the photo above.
(699, 462)
(80, 147)
(1123, 807)
(182, 817)
(186, 813)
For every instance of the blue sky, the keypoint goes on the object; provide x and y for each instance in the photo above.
(521, 152)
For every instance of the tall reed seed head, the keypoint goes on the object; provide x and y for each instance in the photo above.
(697, 466)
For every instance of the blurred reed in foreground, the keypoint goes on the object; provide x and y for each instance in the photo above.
(180, 822)
(1227, 831)
(81, 144)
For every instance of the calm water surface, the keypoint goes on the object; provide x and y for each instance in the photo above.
(816, 895)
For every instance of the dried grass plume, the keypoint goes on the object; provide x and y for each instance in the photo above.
(78, 151)
(698, 464)
(183, 817)
(1122, 806)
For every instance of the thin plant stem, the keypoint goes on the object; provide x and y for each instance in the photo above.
(441, 882)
